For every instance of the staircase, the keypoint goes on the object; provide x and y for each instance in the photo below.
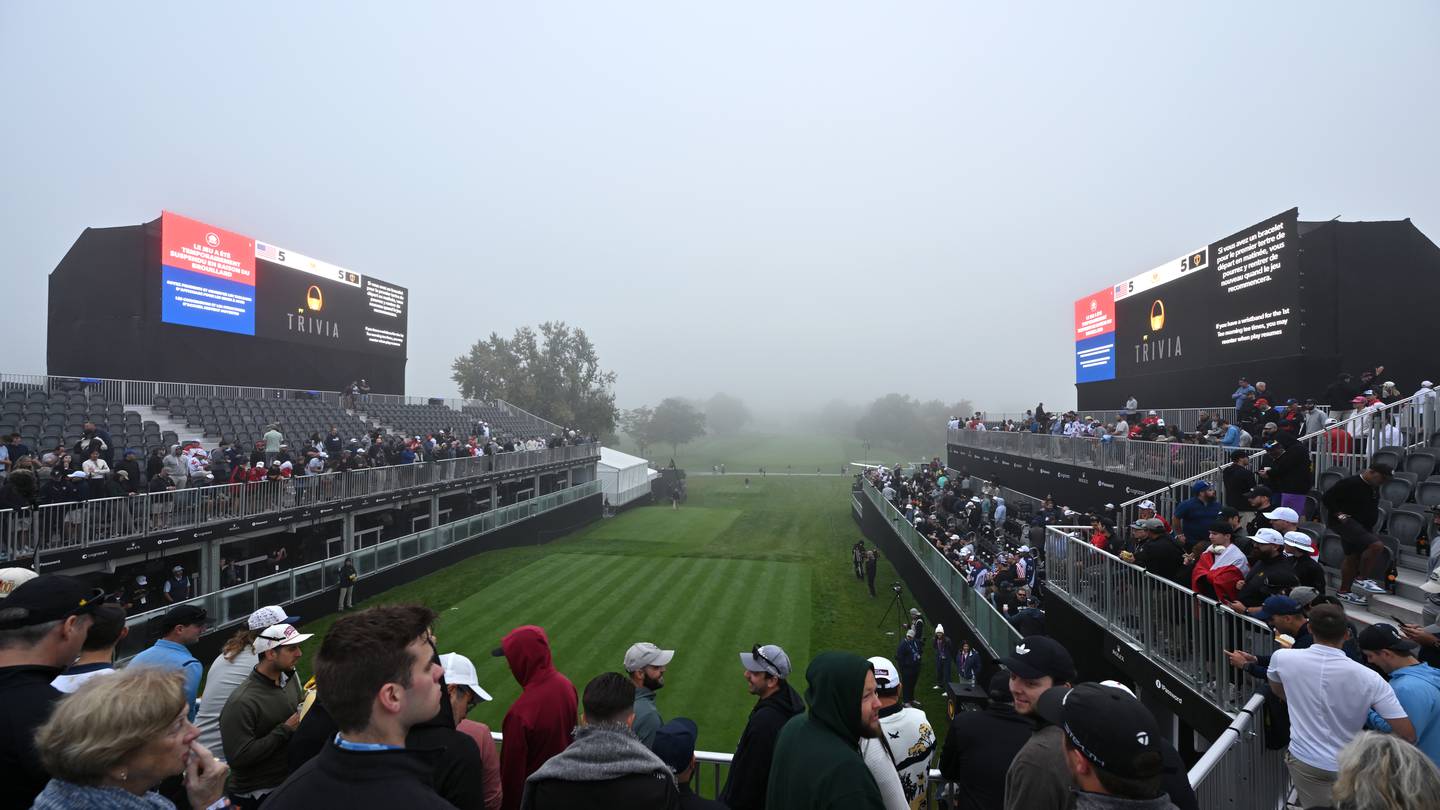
(163, 419)
(1408, 603)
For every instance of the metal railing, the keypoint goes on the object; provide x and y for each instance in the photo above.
(1342, 450)
(990, 625)
(61, 526)
(1239, 769)
(1184, 632)
(1167, 461)
(1185, 418)
(229, 606)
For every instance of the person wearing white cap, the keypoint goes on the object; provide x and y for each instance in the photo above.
(230, 669)
(646, 664)
(876, 751)
(261, 715)
(944, 658)
(462, 688)
(1301, 551)
(12, 578)
(908, 741)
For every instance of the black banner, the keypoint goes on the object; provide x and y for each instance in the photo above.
(1070, 485)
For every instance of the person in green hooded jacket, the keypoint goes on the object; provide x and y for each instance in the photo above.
(817, 763)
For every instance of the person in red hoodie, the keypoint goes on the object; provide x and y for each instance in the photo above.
(540, 721)
(1222, 567)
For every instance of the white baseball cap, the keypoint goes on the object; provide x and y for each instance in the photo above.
(1283, 513)
(279, 635)
(268, 615)
(1147, 505)
(1269, 537)
(886, 675)
(12, 578)
(459, 671)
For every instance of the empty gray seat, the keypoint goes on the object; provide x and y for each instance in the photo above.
(1422, 462)
(1397, 490)
(1427, 492)
(1392, 455)
(1406, 523)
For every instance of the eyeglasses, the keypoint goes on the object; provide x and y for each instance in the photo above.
(759, 656)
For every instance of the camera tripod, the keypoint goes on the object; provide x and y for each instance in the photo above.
(897, 604)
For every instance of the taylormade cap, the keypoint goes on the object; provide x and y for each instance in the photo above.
(1269, 537)
(644, 654)
(459, 671)
(268, 615)
(1111, 729)
(49, 598)
(279, 635)
(886, 675)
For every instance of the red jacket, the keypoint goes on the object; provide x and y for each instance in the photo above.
(540, 721)
(1223, 583)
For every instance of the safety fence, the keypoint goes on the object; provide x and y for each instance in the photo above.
(1187, 419)
(229, 606)
(76, 524)
(1336, 451)
(989, 625)
(1167, 461)
(1181, 630)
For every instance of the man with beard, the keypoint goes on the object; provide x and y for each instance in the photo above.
(261, 715)
(766, 668)
(645, 663)
(817, 761)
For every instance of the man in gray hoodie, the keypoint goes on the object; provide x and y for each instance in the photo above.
(606, 766)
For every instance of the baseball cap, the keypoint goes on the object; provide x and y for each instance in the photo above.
(1038, 656)
(1271, 426)
(1221, 527)
(459, 671)
(278, 635)
(1383, 636)
(49, 598)
(187, 614)
(1301, 541)
(1200, 486)
(268, 615)
(1278, 606)
(1256, 492)
(886, 675)
(1432, 583)
(1154, 524)
(12, 578)
(1110, 728)
(1229, 512)
(1304, 595)
(644, 654)
(1269, 537)
(675, 743)
(1284, 513)
(768, 658)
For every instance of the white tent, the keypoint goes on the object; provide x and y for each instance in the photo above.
(623, 477)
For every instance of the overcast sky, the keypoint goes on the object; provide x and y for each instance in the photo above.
(787, 201)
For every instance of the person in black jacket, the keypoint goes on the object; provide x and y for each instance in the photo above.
(378, 672)
(1353, 507)
(1156, 552)
(458, 775)
(766, 669)
(980, 745)
(1238, 480)
(1288, 470)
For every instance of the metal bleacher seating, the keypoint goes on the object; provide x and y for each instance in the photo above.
(45, 419)
(244, 421)
(422, 420)
(506, 423)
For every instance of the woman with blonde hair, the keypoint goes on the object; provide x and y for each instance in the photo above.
(1383, 772)
(115, 738)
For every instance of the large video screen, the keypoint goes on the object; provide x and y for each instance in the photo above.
(1228, 301)
(212, 278)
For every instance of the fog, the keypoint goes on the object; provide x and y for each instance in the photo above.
(788, 202)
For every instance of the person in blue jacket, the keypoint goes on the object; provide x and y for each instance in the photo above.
(1197, 513)
(1416, 685)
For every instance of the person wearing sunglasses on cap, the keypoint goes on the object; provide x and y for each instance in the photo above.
(766, 669)
(42, 629)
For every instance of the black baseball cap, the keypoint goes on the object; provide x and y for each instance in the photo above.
(1228, 512)
(675, 743)
(185, 614)
(48, 598)
(1256, 492)
(1111, 729)
(1221, 527)
(1383, 636)
(1038, 656)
